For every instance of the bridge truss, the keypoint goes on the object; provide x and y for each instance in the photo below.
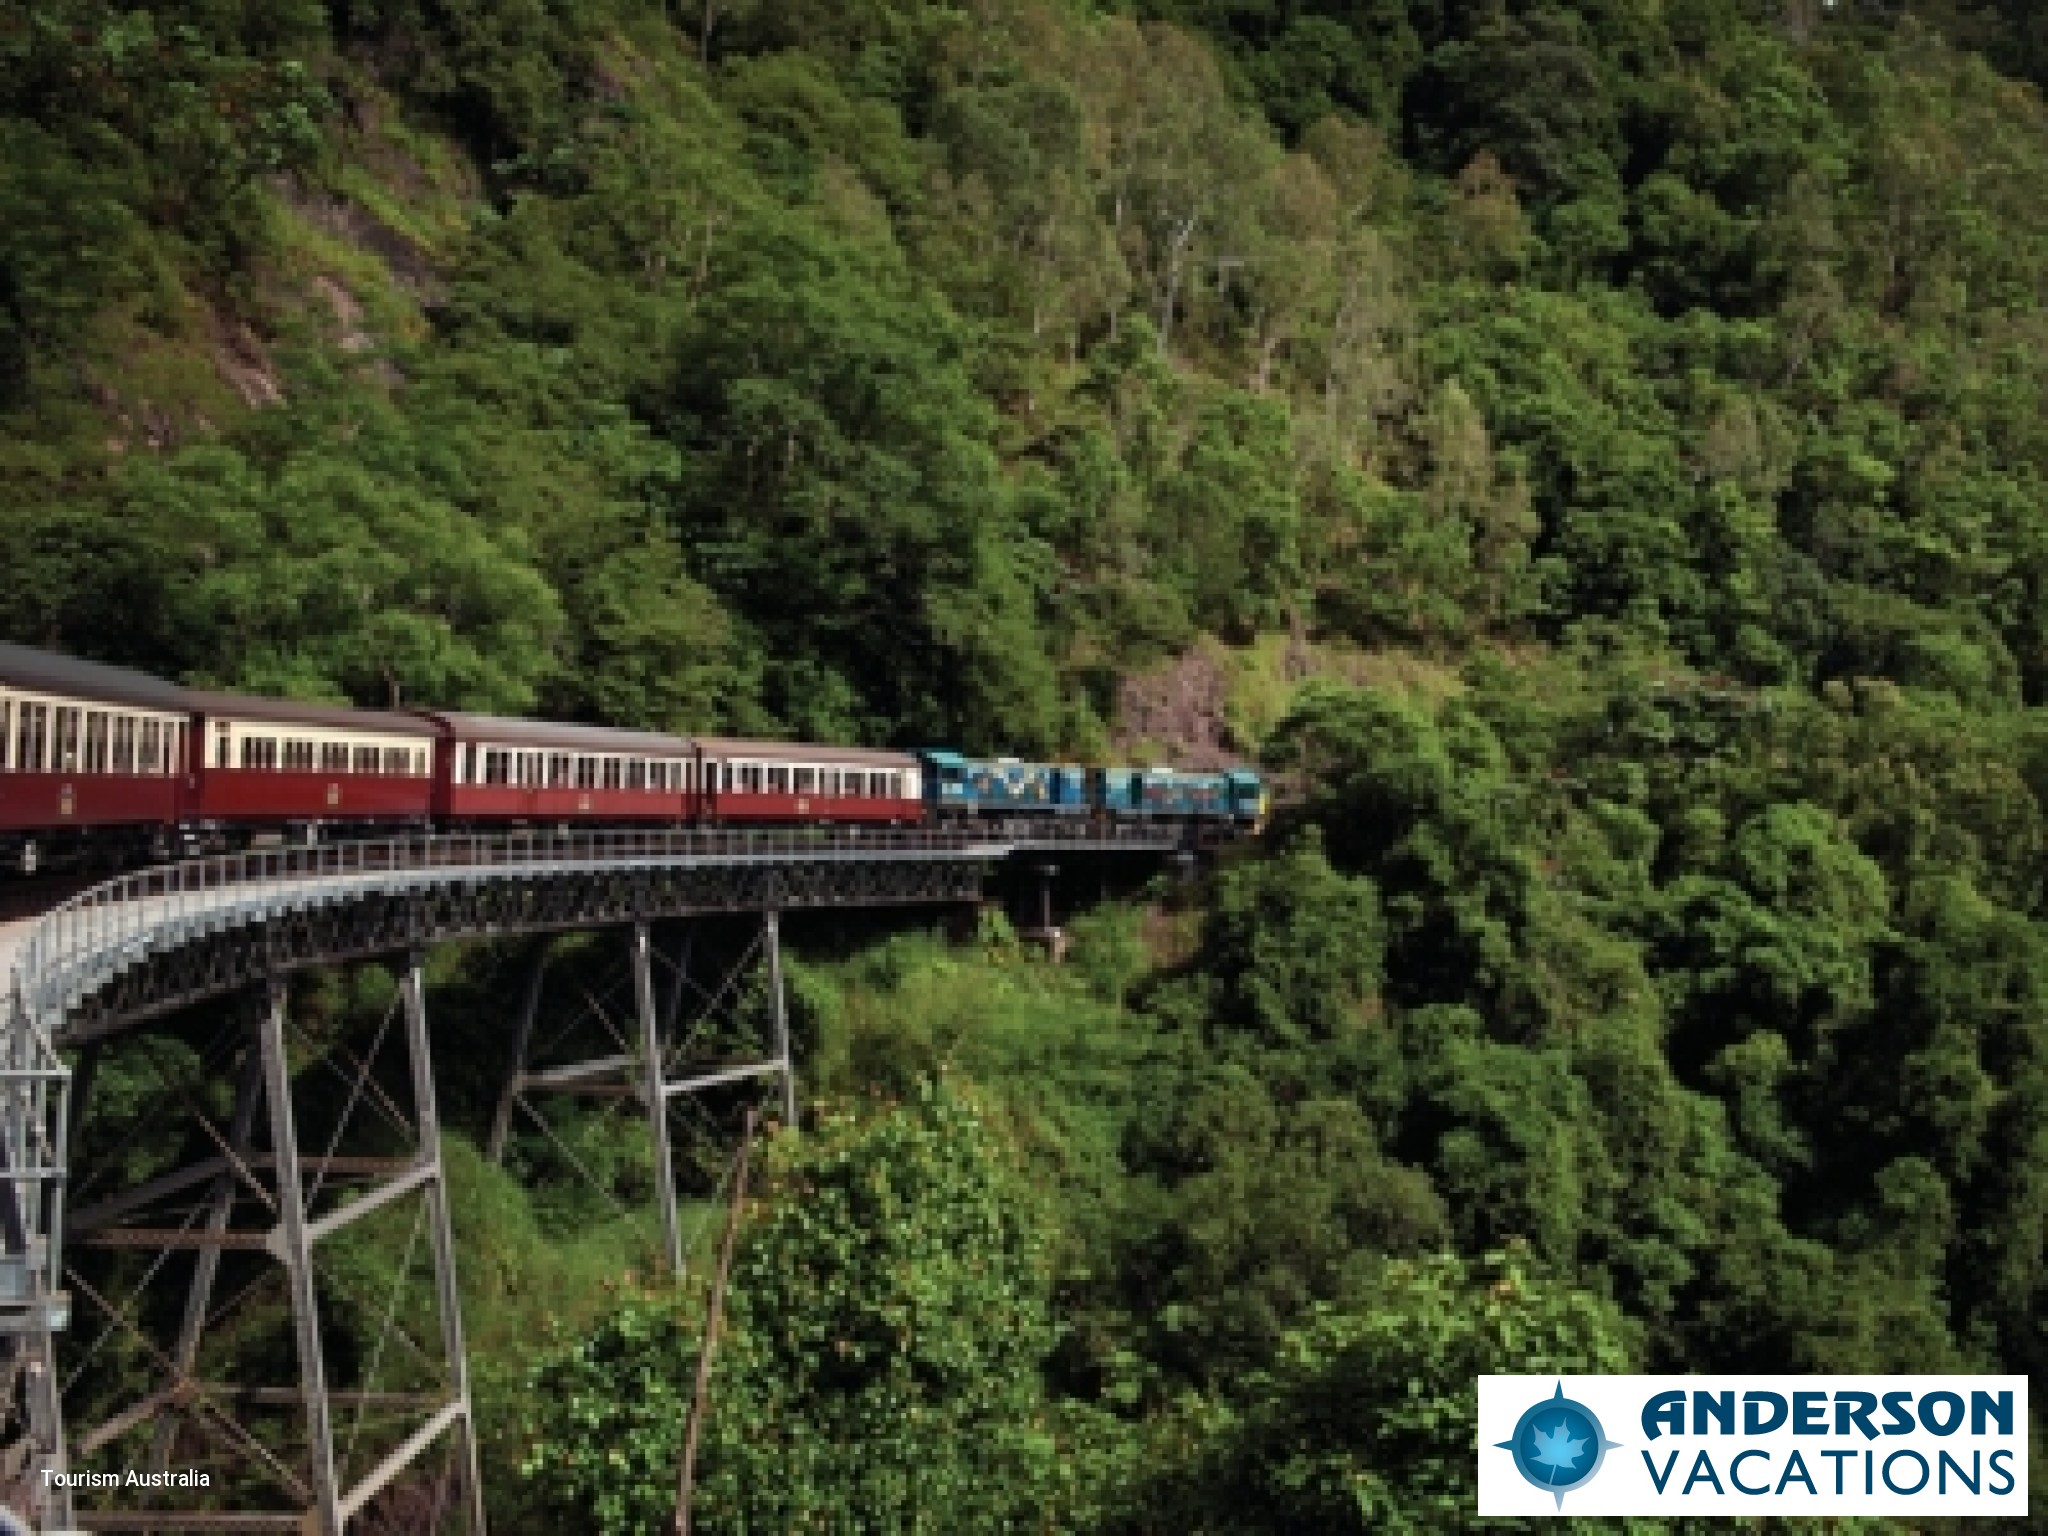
(229, 1243)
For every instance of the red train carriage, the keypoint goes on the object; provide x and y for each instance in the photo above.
(261, 765)
(89, 757)
(793, 781)
(492, 769)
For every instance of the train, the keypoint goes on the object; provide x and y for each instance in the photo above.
(105, 765)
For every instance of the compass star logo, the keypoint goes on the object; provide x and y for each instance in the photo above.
(1558, 1445)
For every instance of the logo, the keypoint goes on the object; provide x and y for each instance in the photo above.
(1558, 1445)
(1755, 1446)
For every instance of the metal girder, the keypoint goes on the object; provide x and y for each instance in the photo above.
(652, 1066)
(311, 1197)
(374, 923)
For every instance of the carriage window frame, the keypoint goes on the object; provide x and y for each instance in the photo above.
(64, 739)
(32, 738)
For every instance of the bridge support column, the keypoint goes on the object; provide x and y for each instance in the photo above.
(778, 1012)
(206, 1268)
(442, 1235)
(655, 1089)
(346, 1439)
(699, 1038)
(295, 1248)
(522, 1042)
(42, 1401)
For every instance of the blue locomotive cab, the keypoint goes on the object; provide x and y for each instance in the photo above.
(946, 789)
(1161, 794)
(1247, 792)
(1001, 786)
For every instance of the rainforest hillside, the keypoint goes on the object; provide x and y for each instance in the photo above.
(1591, 451)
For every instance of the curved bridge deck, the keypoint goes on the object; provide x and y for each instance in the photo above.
(103, 960)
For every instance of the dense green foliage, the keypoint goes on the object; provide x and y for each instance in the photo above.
(1594, 449)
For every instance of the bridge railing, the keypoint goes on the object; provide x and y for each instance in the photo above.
(132, 906)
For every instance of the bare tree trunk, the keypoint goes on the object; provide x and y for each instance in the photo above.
(686, 1480)
(1176, 262)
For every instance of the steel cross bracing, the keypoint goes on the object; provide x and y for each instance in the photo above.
(149, 944)
(353, 1431)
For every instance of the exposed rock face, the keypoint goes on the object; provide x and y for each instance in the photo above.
(1179, 710)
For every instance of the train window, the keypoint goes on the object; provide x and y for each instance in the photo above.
(657, 777)
(778, 779)
(149, 747)
(636, 773)
(6, 732)
(806, 780)
(298, 756)
(558, 770)
(95, 742)
(612, 774)
(121, 745)
(31, 739)
(259, 752)
(365, 760)
(396, 761)
(66, 758)
(333, 757)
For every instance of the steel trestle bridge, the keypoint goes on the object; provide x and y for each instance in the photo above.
(149, 944)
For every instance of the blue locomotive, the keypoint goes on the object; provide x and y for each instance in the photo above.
(958, 787)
